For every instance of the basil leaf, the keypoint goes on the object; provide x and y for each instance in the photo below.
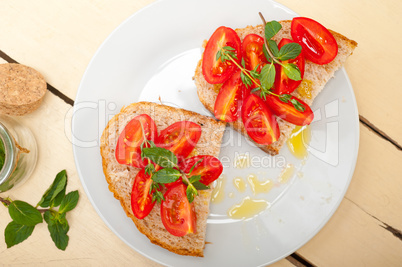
(267, 76)
(69, 202)
(200, 186)
(289, 51)
(167, 175)
(272, 28)
(163, 157)
(23, 213)
(57, 200)
(58, 227)
(292, 71)
(59, 183)
(15, 233)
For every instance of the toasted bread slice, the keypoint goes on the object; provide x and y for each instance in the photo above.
(315, 78)
(121, 177)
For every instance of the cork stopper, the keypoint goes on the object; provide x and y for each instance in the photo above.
(21, 89)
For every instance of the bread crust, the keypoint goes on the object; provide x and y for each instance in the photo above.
(319, 75)
(121, 177)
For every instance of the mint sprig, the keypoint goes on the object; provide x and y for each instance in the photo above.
(169, 174)
(274, 55)
(25, 216)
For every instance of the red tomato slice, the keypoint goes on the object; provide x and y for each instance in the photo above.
(177, 213)
(259, 121)
(319, 45)
(141, 200)
(288, 112)
(209, 168)
(229, 99)
(284, 85)
(215, 71)
(128, 148)
(253, 53)
(180, 138)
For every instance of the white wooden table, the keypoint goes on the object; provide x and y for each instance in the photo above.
(58, 38)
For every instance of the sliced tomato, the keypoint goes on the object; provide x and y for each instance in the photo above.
(259, 121)
(319, 45)
(141, 200)
(288, 112)
(214, 69)
(253, 53)
(177, 213)
(128, 148)
(229, 99)
(180, 138)
(284, 85)
(209, 167)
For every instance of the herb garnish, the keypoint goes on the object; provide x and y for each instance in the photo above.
(26, 217)
(169, 173)
(267, 74)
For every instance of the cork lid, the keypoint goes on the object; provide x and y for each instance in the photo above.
(21, 89)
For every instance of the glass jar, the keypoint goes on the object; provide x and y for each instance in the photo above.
(20, 153)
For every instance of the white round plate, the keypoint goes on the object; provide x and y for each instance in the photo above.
(153, 55)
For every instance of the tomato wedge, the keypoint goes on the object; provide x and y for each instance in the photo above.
(128, 148)
(214, 70)
(177, 213)
(288, 112)
(230, 97)
(253, 53)
(209, 168)
(180, 138)
(284, 85)
(141, 200)
(259, 121)
(319, 45)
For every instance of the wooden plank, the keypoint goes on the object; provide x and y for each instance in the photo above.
(356, 235)
(59, 38)
(77, 28)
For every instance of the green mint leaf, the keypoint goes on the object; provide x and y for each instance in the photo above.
(285, 98)
(267, 76)
(228, 48)
(167, 175)
(292, 71)
(158, 196)
(200, 186)
(266, 54)
(195, 165)
(289, 51)
(218, 55)
(57, 200)
(58, 227)
(271, 29)
(255, 89)
(245, 79)
(69, 202)
(163, 157)
(298, 106)
(191, 192)
(24, 213)
(194, 178)
(15, 233)
(243, 63)
(274, 48)
(51, 193)
(150, 168)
